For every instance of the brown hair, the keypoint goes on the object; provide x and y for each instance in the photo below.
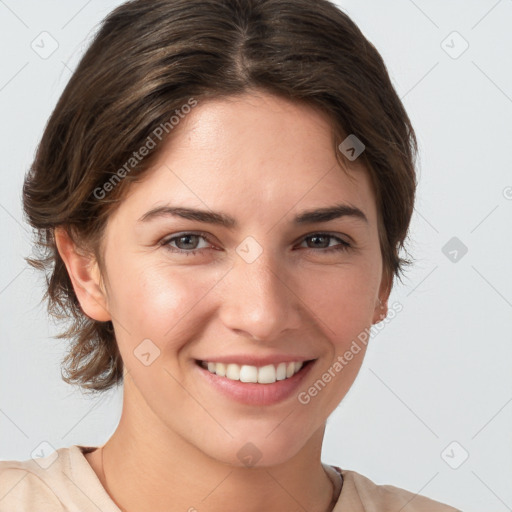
(151, 58)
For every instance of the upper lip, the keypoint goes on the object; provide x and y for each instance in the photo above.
(252, 360)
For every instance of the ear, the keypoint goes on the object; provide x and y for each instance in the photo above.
(83, 270)
(381, 307)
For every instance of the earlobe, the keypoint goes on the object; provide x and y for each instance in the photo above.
(85, 276)
(381, 304)
(380, 312)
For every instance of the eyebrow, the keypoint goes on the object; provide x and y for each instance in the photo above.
(307, 217)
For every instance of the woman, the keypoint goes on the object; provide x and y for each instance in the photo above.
(220, 195)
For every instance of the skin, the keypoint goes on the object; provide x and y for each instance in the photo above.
(262, 160)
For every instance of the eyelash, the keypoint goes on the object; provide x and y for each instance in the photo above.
(343, 246)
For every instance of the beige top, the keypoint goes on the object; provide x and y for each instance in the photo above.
(64, 481)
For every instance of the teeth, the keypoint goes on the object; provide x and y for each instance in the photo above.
(265, 374)
(220, 369)
(262, 375)
(233, 372)
(281, 371)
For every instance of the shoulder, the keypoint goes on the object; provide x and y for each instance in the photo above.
(21, 484)
(60, 481)
(363, 494)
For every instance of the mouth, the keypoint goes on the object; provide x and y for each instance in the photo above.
(252, 385)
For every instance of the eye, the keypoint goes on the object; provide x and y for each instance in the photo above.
(322, 241)
(186, 243)
(190, 243)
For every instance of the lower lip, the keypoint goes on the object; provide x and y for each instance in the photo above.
(251, 393)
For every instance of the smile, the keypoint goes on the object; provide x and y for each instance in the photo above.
(254, 385)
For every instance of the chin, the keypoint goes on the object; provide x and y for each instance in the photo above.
(256, 449)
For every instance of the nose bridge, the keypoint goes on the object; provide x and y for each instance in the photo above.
(258, 299)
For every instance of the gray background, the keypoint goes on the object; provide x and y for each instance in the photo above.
(436, 384)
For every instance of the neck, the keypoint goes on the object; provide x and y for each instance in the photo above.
(143, 469)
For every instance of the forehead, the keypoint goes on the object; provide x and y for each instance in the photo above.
(256, 151)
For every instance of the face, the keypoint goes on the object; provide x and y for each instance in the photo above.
(261, 286)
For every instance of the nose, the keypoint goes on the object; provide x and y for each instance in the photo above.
(259, 300)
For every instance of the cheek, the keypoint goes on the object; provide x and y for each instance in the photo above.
(341, 299)
(166, 304)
